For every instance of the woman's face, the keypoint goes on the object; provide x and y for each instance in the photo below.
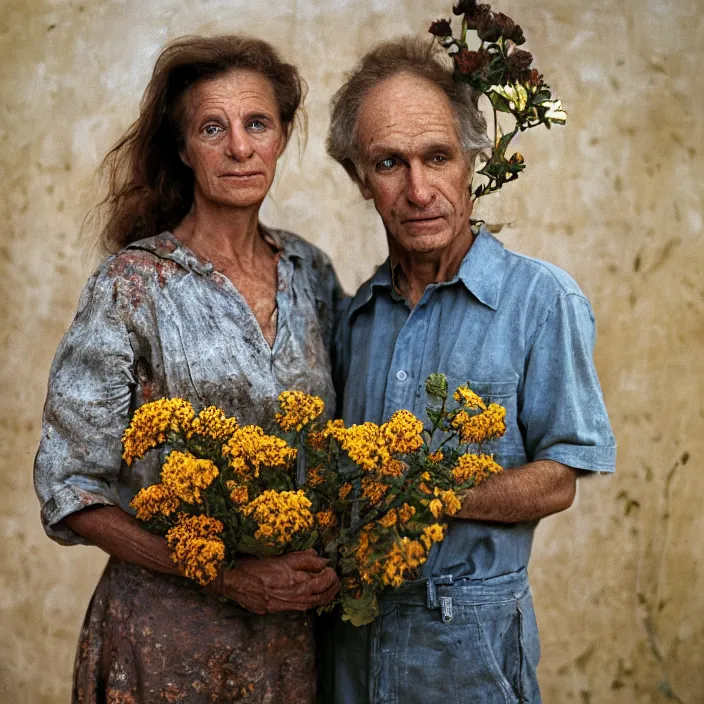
(233, 138)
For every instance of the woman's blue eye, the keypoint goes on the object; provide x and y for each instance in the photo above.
(257, 124)
(386, 164)
(211, 130)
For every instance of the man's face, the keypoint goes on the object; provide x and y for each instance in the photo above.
(412, 165)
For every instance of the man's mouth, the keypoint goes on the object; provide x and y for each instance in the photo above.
(421, 220)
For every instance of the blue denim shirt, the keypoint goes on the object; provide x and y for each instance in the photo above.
(521, 332)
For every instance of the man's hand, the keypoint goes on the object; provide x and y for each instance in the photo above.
(297, 581)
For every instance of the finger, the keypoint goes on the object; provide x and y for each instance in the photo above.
(325, 580)
(308, 561)
(317, 583)
(329, 595)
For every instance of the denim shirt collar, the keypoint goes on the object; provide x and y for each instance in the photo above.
(481, 272)
(167, 246)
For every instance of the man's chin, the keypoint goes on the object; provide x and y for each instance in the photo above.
(424, 242)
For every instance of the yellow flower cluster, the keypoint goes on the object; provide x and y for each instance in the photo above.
(361, 442)
(389, 519)
(406, 512)
(372, 447)
(436, 457)
(314, 478)
(212, 423)
(154, 500)
(280, 515)
(299, 409)
(326, 519)
(196, 548)
(344, 491)
(392, 568)
(150, 424)
(238, 494)
(404, 556)
(436, 508)
(467, 398)
(333, 428)
(450, 504)
(432, 534)
(185, 477)
(475, 467)
(481, 427)
(250, 447)
(374, 491)
(402, 433)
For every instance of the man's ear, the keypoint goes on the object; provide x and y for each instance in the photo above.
(353, 172)
(364, 189)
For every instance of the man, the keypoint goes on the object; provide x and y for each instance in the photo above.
(452, 299)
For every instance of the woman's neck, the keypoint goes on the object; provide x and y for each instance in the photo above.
(222, 234)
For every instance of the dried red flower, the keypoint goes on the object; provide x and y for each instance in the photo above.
(465, 7)
(509, 29)
(441, 28)
(488, 29)
(469, 62)
(535, 78)
(517, 66)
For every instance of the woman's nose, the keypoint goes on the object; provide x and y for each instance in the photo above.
(239, 144)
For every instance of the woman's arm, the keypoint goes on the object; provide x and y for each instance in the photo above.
(293, 582)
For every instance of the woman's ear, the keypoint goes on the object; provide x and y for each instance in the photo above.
(184, 157)
(284, 143)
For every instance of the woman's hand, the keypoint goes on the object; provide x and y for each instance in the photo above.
(296, 581)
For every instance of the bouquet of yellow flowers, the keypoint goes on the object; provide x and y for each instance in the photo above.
(225, 488)
(390, 488)
(373, 498)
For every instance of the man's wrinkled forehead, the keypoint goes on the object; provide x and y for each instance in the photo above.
(405, 112)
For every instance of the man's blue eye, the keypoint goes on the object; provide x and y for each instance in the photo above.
(386, 163)
(211, 130)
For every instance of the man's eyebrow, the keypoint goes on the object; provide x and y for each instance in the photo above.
(381, 150)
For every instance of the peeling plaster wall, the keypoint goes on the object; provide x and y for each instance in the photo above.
(615, 198)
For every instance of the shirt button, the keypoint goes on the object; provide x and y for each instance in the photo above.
(401, 375)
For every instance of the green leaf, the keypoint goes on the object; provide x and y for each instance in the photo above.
(503, 143)
(499, 102)
(362, 611)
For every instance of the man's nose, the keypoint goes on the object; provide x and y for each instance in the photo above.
(418, 189)
(239, 144)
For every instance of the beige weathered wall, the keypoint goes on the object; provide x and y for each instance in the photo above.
(615, 198)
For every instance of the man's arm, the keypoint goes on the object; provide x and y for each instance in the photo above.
(525, 493)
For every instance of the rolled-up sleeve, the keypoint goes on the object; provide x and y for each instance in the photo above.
(86, 411)
(562, 409)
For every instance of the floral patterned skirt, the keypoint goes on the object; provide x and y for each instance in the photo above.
(150, 637)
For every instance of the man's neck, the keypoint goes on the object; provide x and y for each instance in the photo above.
(413, 272)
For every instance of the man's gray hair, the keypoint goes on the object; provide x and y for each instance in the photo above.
(410, 55)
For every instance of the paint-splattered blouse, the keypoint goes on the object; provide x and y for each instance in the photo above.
(156, 321)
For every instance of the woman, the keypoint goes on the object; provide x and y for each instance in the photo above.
(203, 302)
